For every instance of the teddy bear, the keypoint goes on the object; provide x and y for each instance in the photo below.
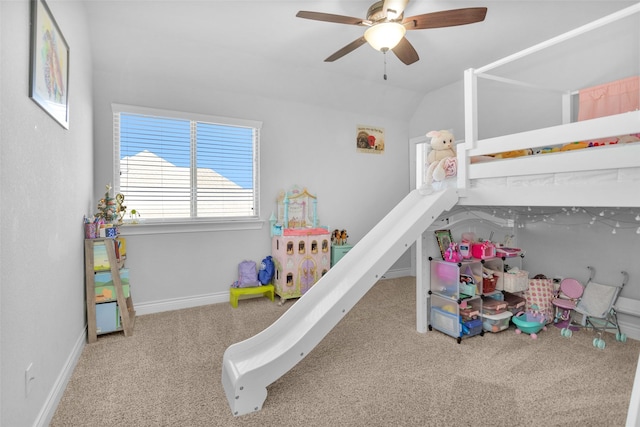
(441, 159)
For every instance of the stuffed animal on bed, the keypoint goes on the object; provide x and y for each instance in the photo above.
(513, 154)
(442, 157)
(625, 139)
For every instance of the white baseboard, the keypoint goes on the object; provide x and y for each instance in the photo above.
(180, 303)
(394, 274)
(49, 409)
(217, 298)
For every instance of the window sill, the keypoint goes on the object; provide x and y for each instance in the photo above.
(189, 227)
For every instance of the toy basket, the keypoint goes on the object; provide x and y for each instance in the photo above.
(515, 282)
(489, 284)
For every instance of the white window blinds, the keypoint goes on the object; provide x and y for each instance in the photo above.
(173, 166)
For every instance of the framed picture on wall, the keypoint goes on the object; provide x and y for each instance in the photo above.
(49, 64)
(369, 139)
(444, 240)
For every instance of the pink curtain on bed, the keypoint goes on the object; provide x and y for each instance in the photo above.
(611, 98)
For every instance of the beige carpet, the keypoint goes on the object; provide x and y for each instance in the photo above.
(373, 369)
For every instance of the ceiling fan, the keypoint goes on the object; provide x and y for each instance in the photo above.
(387, 26)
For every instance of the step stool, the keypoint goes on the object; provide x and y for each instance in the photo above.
(266, 290)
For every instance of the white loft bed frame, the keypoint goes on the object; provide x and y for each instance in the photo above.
(604, 176)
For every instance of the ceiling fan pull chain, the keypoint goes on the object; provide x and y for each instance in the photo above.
(384, 54)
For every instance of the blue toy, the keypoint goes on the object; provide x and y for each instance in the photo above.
(265, 274)
(530, 322)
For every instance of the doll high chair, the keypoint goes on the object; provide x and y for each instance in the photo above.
(571, 290)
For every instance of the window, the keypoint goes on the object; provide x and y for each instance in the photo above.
(174, 166)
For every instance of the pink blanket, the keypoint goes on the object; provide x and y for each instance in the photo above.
(611, 98)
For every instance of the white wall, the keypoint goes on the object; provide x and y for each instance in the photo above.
(46, 184)
(301, 144)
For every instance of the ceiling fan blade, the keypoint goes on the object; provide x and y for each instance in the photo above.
(446, 18)
(347, 49)
(328, 17)
(405, 52)
(393, 9)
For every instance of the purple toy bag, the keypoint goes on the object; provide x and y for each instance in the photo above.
(247, 275)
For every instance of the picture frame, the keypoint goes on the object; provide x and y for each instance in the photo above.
(444, 240)
(370, 139)
(49, 64)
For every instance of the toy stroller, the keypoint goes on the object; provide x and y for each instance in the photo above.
(597, 309)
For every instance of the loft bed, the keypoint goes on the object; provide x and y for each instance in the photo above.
(597, 176)
(527, 113)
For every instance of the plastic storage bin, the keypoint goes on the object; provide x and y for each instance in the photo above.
(456, 320)
(445, 321)
(515, 303)
(472, 327)
(452, 279)
(496, 322)
(470, 312)
(493, 306)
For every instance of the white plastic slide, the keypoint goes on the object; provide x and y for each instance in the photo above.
(251, 365)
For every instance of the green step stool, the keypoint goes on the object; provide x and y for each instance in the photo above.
(266, 290)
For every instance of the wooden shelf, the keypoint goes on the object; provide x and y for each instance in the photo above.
(125, 304)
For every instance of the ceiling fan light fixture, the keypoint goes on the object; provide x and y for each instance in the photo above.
(385, 36)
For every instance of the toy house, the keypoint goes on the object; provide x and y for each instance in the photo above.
(301, 250)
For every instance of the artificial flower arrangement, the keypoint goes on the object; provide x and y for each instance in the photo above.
(108, 207)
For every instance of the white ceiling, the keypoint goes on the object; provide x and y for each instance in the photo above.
(262, 47)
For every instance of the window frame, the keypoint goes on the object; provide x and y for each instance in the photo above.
(182, 225)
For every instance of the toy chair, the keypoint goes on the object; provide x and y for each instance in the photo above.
(597, 309)
(570, 291)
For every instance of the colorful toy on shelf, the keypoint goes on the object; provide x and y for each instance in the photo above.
(452, 254)
(483, 250)
(465, 249)
(339, 237)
